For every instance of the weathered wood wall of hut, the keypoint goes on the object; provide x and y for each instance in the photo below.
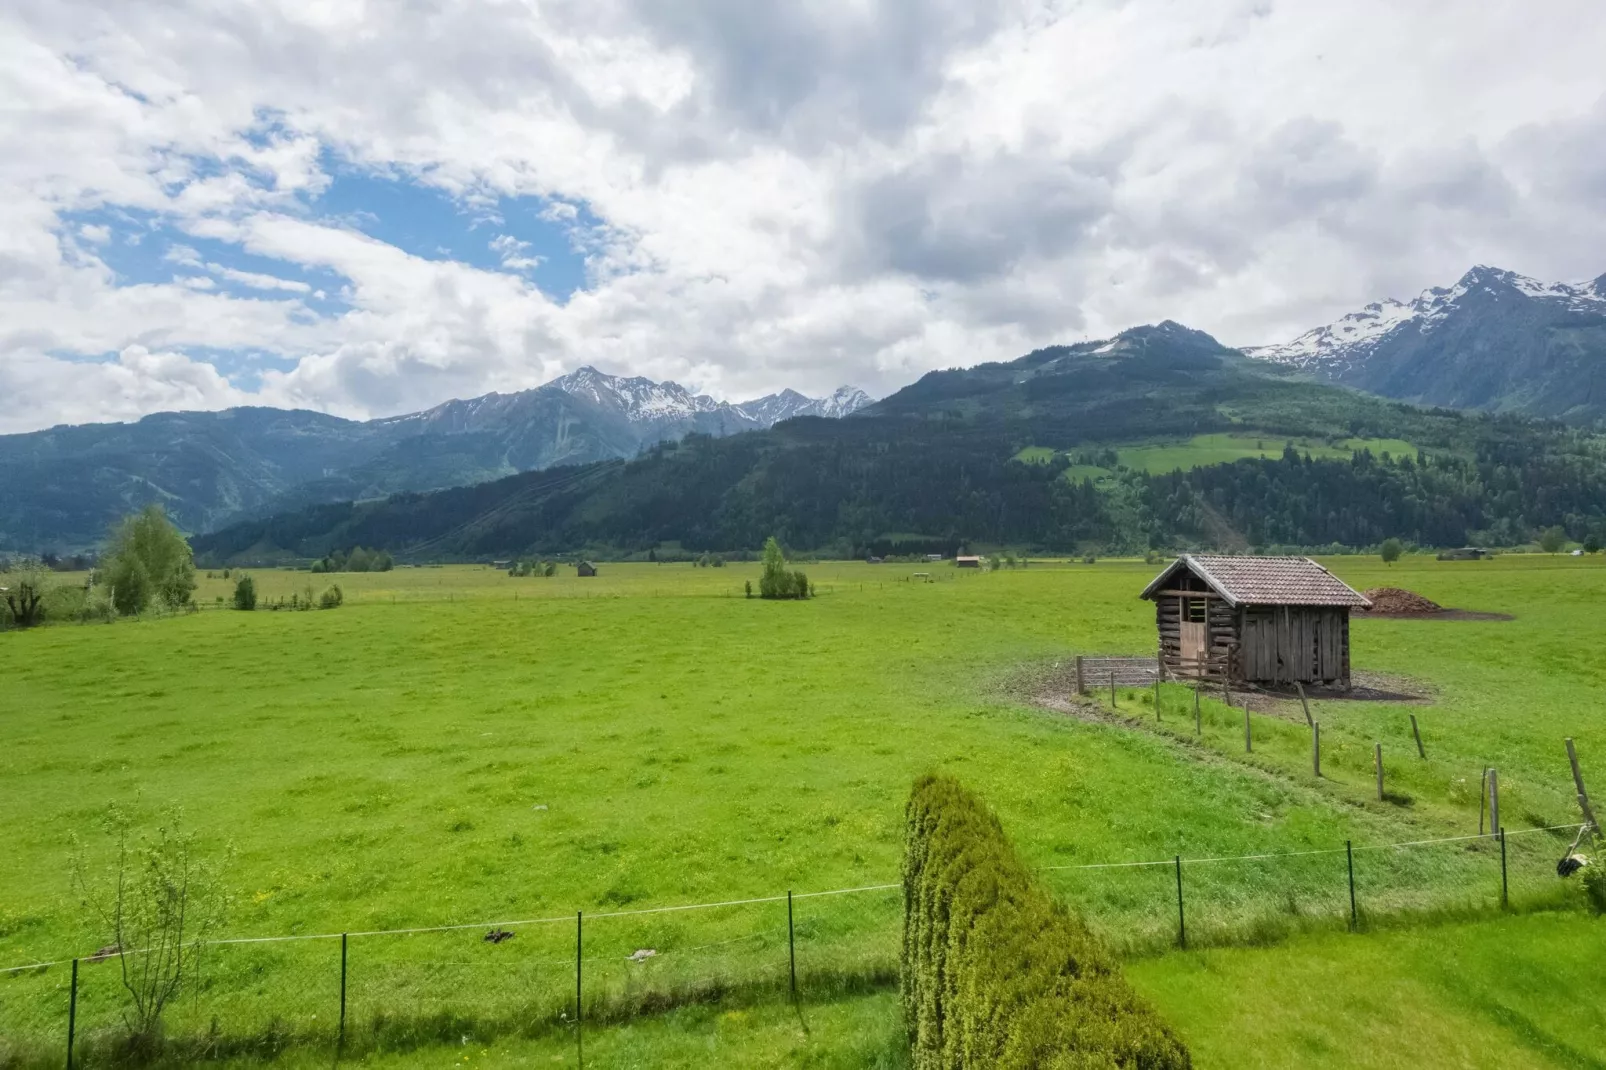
(1288, 644)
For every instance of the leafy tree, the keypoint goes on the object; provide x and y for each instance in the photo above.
(24, 592)
(1592, 543)
(1391, 550)
(775, 581)
(156, 903)
(332, 598)
(1551, 540)
(148, 561)
(245, 592)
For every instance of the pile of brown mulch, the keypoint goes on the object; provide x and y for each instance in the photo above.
(1398, 601)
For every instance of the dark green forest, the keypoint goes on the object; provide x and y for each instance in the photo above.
(932, 469)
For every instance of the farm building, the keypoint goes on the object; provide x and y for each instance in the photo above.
(966, 561)
(585, 568)
(1254, 620)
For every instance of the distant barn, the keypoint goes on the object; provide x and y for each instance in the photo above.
(1254, 620)
(966, 561)
(585, 568)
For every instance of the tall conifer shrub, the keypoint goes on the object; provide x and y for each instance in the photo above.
(995, 972)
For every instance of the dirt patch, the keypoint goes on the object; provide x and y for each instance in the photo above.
(1365, 687)
(1052, 686)
(1397, 600)
(1396, 603)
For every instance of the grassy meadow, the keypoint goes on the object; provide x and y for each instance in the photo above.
(1220, 448)
(454, 746)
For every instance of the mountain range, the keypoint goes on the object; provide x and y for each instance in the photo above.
(1496, 341)
(1036, 452)
(61, 489)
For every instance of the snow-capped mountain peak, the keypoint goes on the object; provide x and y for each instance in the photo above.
(773, 408)
(1496, 340)
(636, 397)
(1351, 339)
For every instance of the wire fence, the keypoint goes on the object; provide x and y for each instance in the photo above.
(389, 988)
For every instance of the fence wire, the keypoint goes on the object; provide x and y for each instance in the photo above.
(425, 983)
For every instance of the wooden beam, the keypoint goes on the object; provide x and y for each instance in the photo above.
(1187, 594)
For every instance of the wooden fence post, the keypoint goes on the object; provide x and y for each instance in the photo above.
(1112, 689)
(1316, 747)
(1198, 722)
(1081, 684)
(1249, 741)
(1578, 782)
(1417, 732)
(1505, 891)
(1157, 699)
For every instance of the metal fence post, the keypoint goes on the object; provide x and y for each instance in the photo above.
(1316, 747)
(1349, 855)
(72, 1013)
(791, 944)
(1182, 920)
(579, 1027)
(341, 1041)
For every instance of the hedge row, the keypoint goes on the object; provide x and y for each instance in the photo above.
(996, 973)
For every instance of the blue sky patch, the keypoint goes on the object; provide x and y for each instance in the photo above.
(529, 236)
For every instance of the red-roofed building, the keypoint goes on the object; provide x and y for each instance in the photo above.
(1254, 620)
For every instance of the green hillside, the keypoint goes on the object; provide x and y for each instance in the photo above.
(1159, 438)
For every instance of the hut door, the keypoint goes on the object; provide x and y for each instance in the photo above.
(1193, 635)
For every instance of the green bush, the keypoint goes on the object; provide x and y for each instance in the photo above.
(995, 972)
(1595, 886)
(245, 593)
(775, 581)
(332, 598)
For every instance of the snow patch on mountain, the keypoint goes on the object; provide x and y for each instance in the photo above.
(642, 399)
(1351, 339)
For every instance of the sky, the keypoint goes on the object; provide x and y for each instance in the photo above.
(368, 207)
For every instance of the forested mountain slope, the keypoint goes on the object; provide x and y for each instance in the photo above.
(61, 489)
(1026, 453)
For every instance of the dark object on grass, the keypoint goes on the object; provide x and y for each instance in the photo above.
(496, 936)
(1570, 865)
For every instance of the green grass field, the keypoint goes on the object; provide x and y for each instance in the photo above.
(454, 746)
(1223, 448)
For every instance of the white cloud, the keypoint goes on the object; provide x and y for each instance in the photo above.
(258, 281)
(787, 195)
(512, 253)
(136, 382)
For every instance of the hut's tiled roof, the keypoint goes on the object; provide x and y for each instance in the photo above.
(1264, 581)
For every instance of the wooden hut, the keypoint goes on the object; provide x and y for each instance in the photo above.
(1254, 620)
(585, 568)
